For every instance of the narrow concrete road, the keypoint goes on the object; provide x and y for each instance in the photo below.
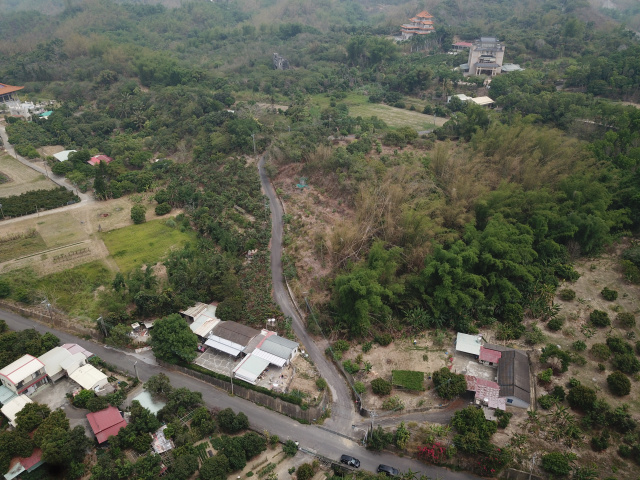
(311, 437)
(343, 411)
(61, 181)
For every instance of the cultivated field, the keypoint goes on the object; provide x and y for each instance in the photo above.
(148, 243)
(21, 178)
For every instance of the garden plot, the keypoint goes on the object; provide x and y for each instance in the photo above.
(402, 354)
(20, 178)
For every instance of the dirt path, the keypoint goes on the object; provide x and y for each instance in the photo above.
(342, 409)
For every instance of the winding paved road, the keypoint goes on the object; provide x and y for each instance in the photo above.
(310, 437)
(342, 408)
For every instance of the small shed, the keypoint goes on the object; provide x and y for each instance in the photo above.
(89, 377)
(106, 423)
(280, 347)
(63, 156)
(203, 318)
(74, 362)
(468, 344)
(75, 348)
(250, 368)
(11, 409)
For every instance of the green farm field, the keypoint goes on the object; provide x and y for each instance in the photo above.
(359, 105)
(147, 243)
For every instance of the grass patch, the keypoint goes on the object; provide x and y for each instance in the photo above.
(408, 379)
(30, 242)
(71, 290)
(147, 243)
(359, 105)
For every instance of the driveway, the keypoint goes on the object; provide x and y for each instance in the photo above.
(311, 437)
(342, 409)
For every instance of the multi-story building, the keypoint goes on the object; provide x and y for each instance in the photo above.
(421, 24)
(485, 57)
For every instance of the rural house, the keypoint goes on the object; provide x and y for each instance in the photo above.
(24, 375)
(201, 318)
(513, 378)
(106, 423)
(231, 337)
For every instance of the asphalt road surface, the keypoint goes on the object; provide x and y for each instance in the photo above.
(343, 413)
(310, 437)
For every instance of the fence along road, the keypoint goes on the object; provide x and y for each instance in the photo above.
(342, 407)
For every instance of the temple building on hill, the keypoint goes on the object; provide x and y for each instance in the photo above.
(7, 91)
(485, 57)
(421, 24)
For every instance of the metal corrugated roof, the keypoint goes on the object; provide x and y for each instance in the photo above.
(11, 409)
(276, 349)
(195, 310)
(88, 377)
(235, 332)
(285, 342)
(250, 368)
(468, 343)
(22, 368)
(513, 375)
(224, 345)
(273, 359)
(53, 360)
(6, 394)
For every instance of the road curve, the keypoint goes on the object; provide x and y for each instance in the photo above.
(342, 408)
(310, 436)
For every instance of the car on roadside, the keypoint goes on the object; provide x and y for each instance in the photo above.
(349, 460)
(387, 470)
(201, 348)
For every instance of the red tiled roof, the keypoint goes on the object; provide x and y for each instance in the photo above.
(463, 44)
(4, 89)
(35, 457)
(488, 355)
(424, 13)
(99, 158)
(471, 382)
(105, 423)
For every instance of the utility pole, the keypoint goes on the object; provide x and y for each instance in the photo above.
(2, 211)
(231, 377)
(253, 137)
(100, 322)
(135, 368)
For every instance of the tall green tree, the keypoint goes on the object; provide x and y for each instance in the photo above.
(172, 340)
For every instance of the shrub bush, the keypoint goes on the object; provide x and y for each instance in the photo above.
(380, 386)
(366, 347)
(600, 318)
(555, 324)
(546, 401)
(579, 346)
(545, 376)
(582, 397)
(559, 393)
(449, 384)
(503, 418)
(618, 345)
(340, 346)
(163, 209)
(321, 383)
(619, 384)
(625, 451)
(567, 294)
(535, 336)
(351, 367)
(384, 339)
(626, 320)
(359, 387)
(609, 294)
(138, 213)
(600, 442)
(600, 351)
(627, 363)
(556, 463)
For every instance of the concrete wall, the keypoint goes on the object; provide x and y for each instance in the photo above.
(276, 404)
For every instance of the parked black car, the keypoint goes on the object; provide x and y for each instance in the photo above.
(351, 461)
(387, 470)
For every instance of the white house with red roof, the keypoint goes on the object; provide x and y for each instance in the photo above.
(24, 375)
(95, 160)
(106, 423)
